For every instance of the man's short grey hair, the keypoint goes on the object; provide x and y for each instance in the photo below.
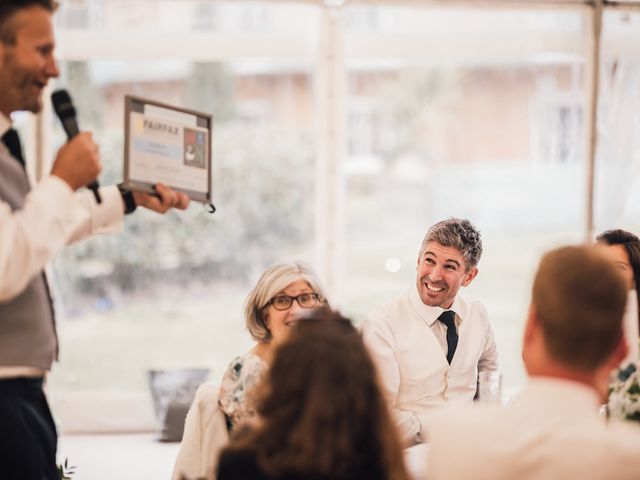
(275, 279)
(457, 233)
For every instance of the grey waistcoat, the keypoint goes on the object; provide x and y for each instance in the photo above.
(27, 329)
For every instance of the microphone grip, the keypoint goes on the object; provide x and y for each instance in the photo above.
(66, 112)
(71, 129)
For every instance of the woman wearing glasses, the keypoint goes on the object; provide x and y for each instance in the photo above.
(271, 309)
(282, 292)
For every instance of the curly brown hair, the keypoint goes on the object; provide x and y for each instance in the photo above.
(322, 413)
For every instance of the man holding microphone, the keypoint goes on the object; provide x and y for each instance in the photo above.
(36, 222)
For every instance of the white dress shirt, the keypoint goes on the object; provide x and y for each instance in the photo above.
(408, 345)
(552, 431)
(52, 216)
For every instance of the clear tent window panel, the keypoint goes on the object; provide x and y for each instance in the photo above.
(169, 291)
(617, 187)
(473, 112)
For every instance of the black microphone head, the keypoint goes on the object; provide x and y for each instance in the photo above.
(63, 105)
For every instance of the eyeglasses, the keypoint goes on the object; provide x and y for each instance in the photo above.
(284, 302)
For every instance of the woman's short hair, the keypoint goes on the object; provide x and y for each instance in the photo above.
(275, 279)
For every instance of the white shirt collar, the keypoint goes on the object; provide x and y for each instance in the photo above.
(430, 314)
(562, 396)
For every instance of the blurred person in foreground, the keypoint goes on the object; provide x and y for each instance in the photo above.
(321, 414)
(431, 342)
(272, 307)
(36, 222)
(573, 339)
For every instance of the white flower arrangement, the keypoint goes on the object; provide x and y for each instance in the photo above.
(624, 395)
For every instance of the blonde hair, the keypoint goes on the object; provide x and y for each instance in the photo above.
(275, 279)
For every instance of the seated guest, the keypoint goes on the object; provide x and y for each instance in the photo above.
(271, 309)
(624, 248)
(572, 340)
(430, 342)
(321, 414)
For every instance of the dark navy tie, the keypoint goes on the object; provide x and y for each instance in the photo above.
(448, 318)
(12, 142)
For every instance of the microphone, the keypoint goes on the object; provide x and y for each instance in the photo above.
(66, 112)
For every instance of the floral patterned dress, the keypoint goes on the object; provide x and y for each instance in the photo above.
(241, 377)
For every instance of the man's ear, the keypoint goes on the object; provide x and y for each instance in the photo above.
(469, 276)
(619, 353)
(602, 374)
(528, 339)
(531, 323)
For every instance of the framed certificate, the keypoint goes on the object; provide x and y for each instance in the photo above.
(167, 144)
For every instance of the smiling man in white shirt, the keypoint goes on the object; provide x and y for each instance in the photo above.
(430, 342)
(573, 339)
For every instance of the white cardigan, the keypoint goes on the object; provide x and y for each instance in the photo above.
(205, 434)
